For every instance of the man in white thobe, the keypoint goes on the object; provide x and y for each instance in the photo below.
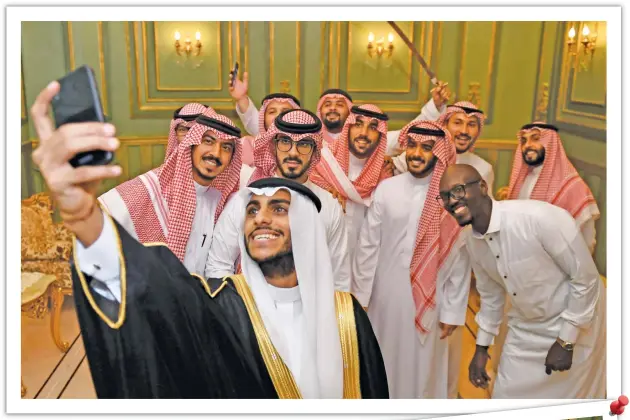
(412, 271)
(352, 167)
(533, 251)
(542, 171)
(289, 149)
(465, 123)
(179, 202)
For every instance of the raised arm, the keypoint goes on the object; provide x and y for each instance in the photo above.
(245, 108)
(431, 111)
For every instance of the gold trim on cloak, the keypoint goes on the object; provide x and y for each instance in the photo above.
(281, 376)
(349, 345)
(123, 280)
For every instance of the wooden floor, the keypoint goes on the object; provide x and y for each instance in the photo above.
(48, 373)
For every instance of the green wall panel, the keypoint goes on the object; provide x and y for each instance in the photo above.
(515, 71)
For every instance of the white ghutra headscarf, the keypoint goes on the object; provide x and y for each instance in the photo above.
(319, 373)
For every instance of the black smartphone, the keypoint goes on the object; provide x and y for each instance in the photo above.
(78, 101)
(234, 72)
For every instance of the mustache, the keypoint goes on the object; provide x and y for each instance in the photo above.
(255, 232)
(417, 159)
(364, 138)
(291, 159)
(463, 137)
(530, 150)
(214, 159)
(333, 113)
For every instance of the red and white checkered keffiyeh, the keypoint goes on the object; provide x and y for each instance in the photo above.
(371, 173)
(192, 109)
(264, 146)
(261, 112)
(457, 108)
(559, 182)
(437, 231)
(331, 96)
(177, 187)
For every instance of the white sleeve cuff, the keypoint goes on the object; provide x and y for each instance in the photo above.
(431, 112)
(484, 338)
(100, 260)
(451, 318)
(569, 333)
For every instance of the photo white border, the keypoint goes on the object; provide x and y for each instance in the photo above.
(14, 16)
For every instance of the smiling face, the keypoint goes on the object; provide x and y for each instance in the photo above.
(267, 231)
(420, 158)
(211, 157)
(532, 149)
(273, 109)
(464, 130)
(334, 113)
(363, 137)
(462, 193)
(293, 159)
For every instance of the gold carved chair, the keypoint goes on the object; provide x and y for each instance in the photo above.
(46, 249)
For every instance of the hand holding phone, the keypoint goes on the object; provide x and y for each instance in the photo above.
(79, 101)
(234, 73)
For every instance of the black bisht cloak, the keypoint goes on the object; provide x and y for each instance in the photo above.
(174, 340)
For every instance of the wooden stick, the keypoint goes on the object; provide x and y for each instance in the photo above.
(415, 52)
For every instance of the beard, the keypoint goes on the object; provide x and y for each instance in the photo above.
(278, 265)
(468, 146)
(540, 157)
(202, 175)
(333, 125)
(199, 171)
(362, 155)
(290, 174)
(424, 171)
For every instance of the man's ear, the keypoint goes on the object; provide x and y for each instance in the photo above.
(483, 186)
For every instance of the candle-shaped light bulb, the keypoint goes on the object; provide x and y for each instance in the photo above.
(177, 35)
(585, 31)
(371, 37)
(390, 38)
(572, 33)
(198, 35)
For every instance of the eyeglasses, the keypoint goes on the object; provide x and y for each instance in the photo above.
(285, 144)
(457, 193)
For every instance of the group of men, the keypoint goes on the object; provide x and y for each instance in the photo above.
(324, 256)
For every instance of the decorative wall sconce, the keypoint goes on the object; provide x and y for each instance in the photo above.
(188, 47)
(587, 40)
(571, 41)
(379, 46)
